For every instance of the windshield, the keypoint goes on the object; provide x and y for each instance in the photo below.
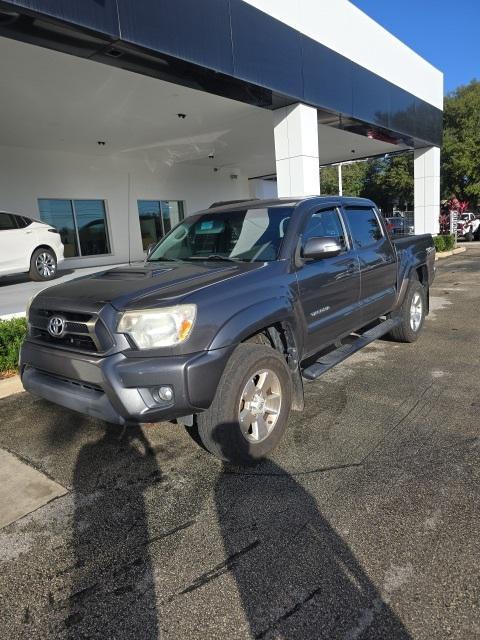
(252, 235)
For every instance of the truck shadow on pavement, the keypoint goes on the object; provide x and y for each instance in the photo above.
(295, 575)
(113, 589)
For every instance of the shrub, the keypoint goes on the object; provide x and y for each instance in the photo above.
(449, 242)
(12, 333)
(444, 242)
(439, 243)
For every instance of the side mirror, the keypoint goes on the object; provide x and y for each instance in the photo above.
(150, 249)
(322, 247)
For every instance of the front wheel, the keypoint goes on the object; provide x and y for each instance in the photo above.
(43, 265)
(249, 413)
(412, 314)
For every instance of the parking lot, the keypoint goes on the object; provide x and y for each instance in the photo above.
(363, 524)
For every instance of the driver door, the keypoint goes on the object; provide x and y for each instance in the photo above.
(329, 288)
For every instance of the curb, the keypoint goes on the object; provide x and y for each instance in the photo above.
(10, 316)
(10, 386)
(448, 254)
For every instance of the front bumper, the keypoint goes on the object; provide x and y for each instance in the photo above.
(120, 389)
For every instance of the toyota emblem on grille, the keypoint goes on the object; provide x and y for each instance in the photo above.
(56, 326)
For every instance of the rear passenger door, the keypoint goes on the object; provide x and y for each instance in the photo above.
(329, 288)
(378, 262)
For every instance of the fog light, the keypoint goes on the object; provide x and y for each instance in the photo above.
(165, 394)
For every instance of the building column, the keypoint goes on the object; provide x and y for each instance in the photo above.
(296, 151)
(427, 190)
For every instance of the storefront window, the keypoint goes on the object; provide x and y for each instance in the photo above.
(157, 217)
(82, 225)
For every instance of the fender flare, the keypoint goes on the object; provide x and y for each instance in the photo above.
(253, 319)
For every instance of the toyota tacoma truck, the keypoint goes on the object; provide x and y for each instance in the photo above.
(227, 318)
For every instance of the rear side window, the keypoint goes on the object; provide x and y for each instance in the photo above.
(325, 223)
(23, 222)
(364, 226)
(7, 221)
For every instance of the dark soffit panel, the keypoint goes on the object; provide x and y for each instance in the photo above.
(98, 15)
(198, 32)
(226, 47)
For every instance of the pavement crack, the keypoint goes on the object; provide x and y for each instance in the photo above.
(217, 571)
(398, 423)
(171, 532)
(288, 614)
(337, 467)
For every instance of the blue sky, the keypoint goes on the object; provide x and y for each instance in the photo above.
(445, 33)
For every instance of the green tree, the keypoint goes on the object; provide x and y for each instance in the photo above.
(389, 182)
(461, 144)
(386, 181)
(353, 179)
(329, 181)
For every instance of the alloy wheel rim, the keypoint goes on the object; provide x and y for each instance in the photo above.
(259, 406)
(45, 265)
(416, 312)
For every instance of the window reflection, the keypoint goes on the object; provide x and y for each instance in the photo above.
(157, 218)
(59, 213)
(82, 225)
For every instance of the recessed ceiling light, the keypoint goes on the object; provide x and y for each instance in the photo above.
(101, 143)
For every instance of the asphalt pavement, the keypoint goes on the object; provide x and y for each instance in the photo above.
(364, 523)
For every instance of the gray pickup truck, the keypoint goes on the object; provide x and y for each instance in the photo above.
(230, 313)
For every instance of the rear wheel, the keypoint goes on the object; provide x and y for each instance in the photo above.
(249, 413)
(43, 265)
(412, 313)
(469, 237)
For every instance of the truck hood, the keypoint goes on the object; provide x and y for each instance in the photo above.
(140, 286)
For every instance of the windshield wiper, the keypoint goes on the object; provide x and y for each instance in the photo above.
(213, 256)
(216, 256)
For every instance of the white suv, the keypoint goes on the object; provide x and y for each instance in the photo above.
(28, 245)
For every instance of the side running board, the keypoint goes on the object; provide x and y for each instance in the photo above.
(328, 361)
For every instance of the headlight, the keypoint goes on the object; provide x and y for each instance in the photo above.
(152, 328)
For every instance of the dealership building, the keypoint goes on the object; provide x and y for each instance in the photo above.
(120, 117)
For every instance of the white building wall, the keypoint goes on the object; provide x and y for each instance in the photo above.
(26, 175)
(344, 28)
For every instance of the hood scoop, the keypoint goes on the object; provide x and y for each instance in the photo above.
(131, 274)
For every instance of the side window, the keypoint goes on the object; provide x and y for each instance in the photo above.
(364, 226)
(23, 222)
(325, 223)
(7, 222)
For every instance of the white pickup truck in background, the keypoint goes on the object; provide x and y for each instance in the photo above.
(468, 227)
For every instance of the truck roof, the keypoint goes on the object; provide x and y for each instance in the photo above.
(293, 201)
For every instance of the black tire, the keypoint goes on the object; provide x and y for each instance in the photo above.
(405, 332)
(219, 428)
(469, 237)
(43, 265)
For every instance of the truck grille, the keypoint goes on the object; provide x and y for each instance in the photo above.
(82, 331)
